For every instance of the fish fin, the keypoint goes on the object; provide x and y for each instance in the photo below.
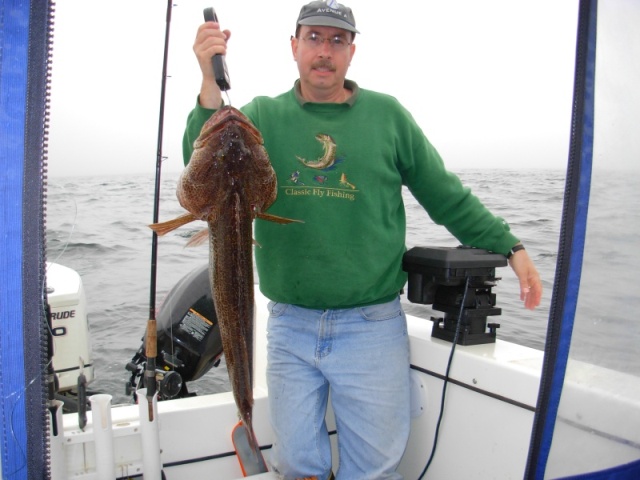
(277, 219)
(248, 451)
(163, 228)
(199, 238)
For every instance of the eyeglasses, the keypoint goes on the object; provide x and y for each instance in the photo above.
(336, 43)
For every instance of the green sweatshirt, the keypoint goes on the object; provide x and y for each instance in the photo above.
(340, 169)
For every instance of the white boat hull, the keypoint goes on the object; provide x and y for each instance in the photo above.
(485, 432)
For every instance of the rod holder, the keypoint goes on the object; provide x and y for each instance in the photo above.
(103, 436)
(56, 441)
(150, 432)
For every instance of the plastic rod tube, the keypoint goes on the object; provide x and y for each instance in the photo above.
(56, 441)
(151, 462)
(103, 436)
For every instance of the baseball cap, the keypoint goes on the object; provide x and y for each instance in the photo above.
(328, 14)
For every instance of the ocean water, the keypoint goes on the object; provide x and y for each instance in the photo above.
(98, 226)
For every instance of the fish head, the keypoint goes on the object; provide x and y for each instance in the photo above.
(229, 158)
(228, 118)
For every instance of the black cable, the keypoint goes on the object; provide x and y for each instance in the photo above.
(446, 378)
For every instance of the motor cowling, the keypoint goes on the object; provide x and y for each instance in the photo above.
(71, 344)
(189, 342)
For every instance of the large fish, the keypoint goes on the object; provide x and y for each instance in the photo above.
(228, 182)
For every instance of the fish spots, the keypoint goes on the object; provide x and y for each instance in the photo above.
(228, 182)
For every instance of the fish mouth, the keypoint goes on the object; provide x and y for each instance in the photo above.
(230, 114)
(227, 116)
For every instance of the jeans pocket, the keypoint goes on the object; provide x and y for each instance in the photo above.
(276, 309)
(383, 311)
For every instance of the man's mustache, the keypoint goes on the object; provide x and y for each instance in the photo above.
(324, 63)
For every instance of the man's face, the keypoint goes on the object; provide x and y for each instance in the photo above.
(323, 55)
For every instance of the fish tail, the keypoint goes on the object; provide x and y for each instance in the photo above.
(163, 228)
(248, 449)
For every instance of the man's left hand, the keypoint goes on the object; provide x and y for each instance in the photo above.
(530, 283)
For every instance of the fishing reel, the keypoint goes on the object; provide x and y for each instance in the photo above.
(445, 276)
(189, 342)
(169, 383)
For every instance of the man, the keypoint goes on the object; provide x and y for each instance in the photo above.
(341, 155)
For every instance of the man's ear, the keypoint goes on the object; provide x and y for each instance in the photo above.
(294, 48)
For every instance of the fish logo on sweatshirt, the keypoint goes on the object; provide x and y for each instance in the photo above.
(328, 159)
(324, 176)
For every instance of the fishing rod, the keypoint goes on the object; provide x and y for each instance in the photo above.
(151, 345)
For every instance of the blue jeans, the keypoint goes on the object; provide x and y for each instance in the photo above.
(362, 355)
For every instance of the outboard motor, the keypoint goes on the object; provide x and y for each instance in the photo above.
(70, 343)
(441, 275)
(189, 342)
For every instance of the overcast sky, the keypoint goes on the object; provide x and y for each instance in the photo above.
(490, 82)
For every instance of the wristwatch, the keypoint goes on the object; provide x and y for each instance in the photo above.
(514, 249)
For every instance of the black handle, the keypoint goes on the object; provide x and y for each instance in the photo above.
(219, 64)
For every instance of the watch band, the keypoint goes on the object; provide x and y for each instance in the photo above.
(514, 249)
